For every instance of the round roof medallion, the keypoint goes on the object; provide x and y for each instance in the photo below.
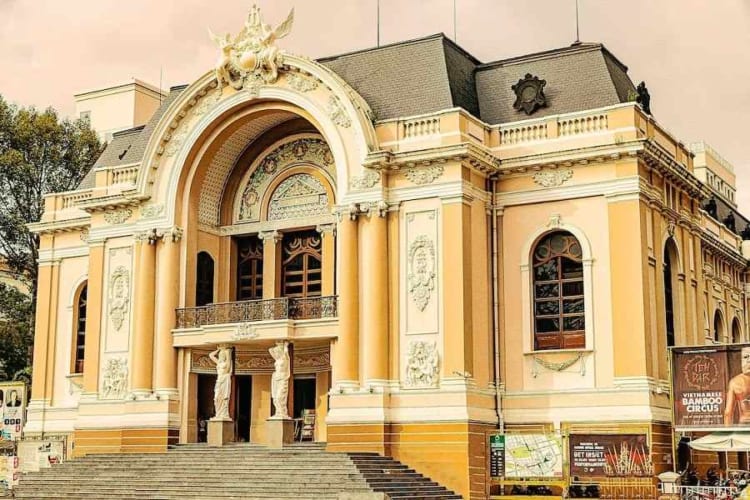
(529, 94)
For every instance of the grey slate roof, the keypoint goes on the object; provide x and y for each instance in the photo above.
(579, 77)
(433, 73)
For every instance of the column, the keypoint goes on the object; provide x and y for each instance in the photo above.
(168, 256)
(345, 368)
(93, 317)
(328, 250)
(143, 342)
(374, 301)
(46, 326)
(271, 263)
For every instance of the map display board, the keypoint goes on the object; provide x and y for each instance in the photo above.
(610, 455)
(711, 387)
(533, 455)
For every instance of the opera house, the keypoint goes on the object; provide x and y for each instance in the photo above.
(408, 245)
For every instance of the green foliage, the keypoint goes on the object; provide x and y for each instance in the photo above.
(15, 330)
(39, 154)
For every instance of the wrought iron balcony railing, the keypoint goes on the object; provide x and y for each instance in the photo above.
(258, 310)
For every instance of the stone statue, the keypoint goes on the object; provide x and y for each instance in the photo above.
(280, 379)
(643, 98)
(252, 52)
(223, 388)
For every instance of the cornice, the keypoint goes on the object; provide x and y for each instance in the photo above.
(657, 157)
(569, 157)
(121, 200)
(60, 226)
(722, 249)
(480, 158)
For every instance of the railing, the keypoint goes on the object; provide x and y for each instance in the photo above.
(421, 126)
(69, 200)
(582, 124)
(124, 175)
(523, 133)
(705, 492)
(258, 310)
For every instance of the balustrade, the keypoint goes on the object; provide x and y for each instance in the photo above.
(258, 310)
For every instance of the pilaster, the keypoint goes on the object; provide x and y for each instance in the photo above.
(328, 249)
(271, 263)
(94, 317)
(374, 299)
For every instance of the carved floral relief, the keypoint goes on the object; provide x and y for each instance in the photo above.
(422, 364)
(421, 275)
(552, 178)
(115, 378)
(424, 175)
(119, 296)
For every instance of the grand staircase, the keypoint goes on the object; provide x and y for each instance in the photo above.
(239, 471)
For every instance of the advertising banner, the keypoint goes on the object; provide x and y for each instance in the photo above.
(711, 387)
(610, 455)
(533, 456)
(8, 471)
(12, 409)
(35, 454)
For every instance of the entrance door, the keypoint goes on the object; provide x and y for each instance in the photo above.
(205, 405)
(243, 398)
(304, 394)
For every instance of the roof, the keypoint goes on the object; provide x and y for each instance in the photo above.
(412, 77)
(582, 76)
(128, 146)
(431, 74)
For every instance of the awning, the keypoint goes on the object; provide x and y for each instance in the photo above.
(722, 441)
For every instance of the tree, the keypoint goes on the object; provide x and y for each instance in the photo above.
(39, 154)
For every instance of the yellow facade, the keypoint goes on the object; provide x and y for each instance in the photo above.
(414, 335)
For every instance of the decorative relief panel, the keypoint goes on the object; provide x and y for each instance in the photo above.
(422, 364)
(420, 272)
(424, 175)
(300, 82)
(117, 216)
(338, 114)
(114, 379)
(119, 296)
(299, 195)
(150, 211)
(260, 362)
(421, 275)
(301, 151)
(552, 178)
(365, 180)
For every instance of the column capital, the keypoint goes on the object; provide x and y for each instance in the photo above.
(350, 211)
(370, 208)
(326, 229)
(173, 234)
(274, 235)
(150, 236)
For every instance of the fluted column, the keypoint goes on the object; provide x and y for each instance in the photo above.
(345, 369)
(168, 257)
(93, 317)
(328, 250)
(143, 342)
(271, 263)
(374, 300)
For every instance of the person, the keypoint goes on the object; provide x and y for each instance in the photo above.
(13, 400)
(223, 388)
(738, 393)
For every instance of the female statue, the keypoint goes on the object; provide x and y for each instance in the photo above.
(223, 388)
(280, 379)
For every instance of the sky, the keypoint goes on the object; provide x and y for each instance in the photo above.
(694, 55)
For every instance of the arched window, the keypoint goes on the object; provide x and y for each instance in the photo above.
(736, 331)
(249, 268)
(301, 264)
(80, 329)
(559, 321)
(204, 280)
(669, 256)
(718, 326)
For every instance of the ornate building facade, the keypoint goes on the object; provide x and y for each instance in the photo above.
(449, 247)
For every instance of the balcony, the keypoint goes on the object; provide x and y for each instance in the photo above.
(258, 310)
